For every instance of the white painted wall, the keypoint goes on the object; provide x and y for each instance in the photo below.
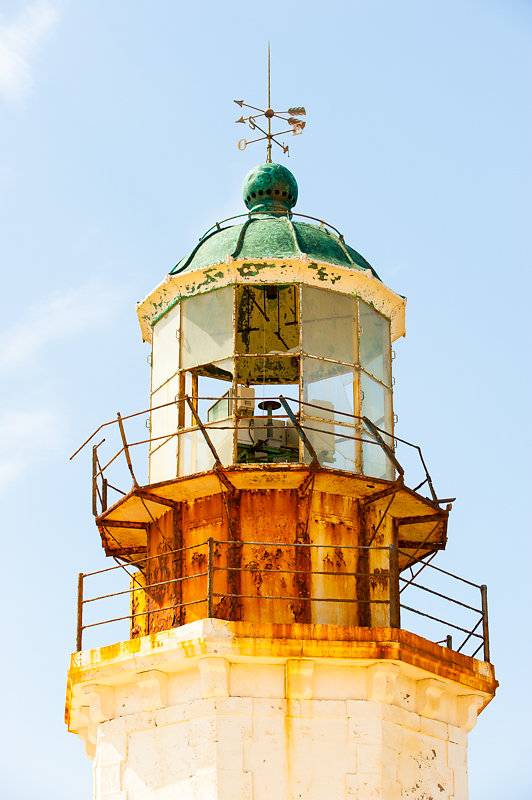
(227, 727)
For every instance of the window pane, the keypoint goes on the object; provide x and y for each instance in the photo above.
(215, 382)
(330, 386)
(334, 444)
(163, 462)
(194, 453)
(377, 406)
(165, 351)
(376, 462)
(329, 324)
(163, 421)
(375, 343)
(163, 424)
(376, 402)
(267, 319)
(207, 327)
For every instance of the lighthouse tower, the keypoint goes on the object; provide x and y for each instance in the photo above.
(277, 639)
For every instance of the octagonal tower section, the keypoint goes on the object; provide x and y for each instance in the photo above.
(269, 548)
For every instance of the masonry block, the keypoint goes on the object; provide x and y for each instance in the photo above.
(225, 724)
(214, 674)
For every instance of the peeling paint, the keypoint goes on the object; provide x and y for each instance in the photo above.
(360, 283)
(323, 274)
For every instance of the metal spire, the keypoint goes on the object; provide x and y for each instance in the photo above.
(296, 128)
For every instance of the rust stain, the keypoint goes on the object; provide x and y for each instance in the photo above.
(276, 552)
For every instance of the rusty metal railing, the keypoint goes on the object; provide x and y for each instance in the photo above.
(481, 621)
(371, 589)
(305, 421)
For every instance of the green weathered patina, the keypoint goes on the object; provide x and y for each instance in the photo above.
(270, 187)
(272, 237)
(270, 231)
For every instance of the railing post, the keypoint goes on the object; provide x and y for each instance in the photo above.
(485, 628)
(393, 585)
(210, 579)
(300, 432)
(104, 494)
(126, 448)
(386, 448)
(94, 481)
(449, 642)
(79, 629)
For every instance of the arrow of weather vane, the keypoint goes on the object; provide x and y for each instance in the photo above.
(290, 117)
(296, 128)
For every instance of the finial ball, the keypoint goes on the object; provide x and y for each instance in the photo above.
(270, 187)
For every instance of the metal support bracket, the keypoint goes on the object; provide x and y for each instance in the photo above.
(126, 448)
(387, 449)
(300, 432)
(206, 436)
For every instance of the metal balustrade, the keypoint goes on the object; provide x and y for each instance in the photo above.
(407, 602)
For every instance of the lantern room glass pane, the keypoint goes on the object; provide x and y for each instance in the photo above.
(163, 432)
(215, 385)
(196, 456)
(164, 414)
(377, 406)
(267, 319)
(165, 351)
(334, 444)
(375, 353)
(330, 386)
(329, 324)
(207, 327)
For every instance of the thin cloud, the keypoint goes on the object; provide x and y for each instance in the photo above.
(19, 40)
(62, 315)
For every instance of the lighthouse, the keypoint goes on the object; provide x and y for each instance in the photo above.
(277, 570)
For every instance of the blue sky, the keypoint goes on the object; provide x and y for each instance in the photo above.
(118, 149)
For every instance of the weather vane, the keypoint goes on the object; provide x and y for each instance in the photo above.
(296, 128)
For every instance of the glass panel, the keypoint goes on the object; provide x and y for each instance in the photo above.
(267, 319)
(330, 386)
(375, 345)
(165, 351)
(194, 453)
(376, 402)
(207, 327)
(334, 444)
(265, 434)
(376, 462)
(329, 324)
(163, 424)
(190, 388)
(163, 421)
(163, 461)
(221, 409)
(377, 406)
(215, 381)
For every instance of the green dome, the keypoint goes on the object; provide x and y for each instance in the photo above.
(271, 237)
(270, 187)
(269, 231)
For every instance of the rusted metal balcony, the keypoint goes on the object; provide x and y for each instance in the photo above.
(273, 530)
